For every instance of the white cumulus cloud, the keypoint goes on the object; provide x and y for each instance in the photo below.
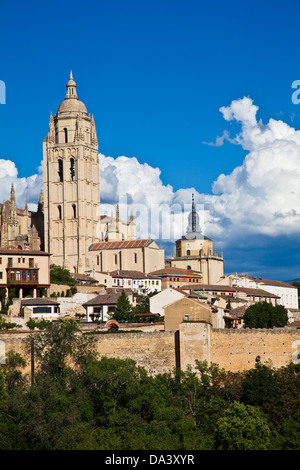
(262, 195)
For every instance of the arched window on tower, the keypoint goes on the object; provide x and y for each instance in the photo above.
(188, 252)
(72, 169)
(74, 211)
(59, 212)
(66, 135)
(60, 170)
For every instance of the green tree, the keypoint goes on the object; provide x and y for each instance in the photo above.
(6, 325)
(259, 385)
(279, 316)
(243, 427)
(5, 422)
(265, 315)
(60, 347)
(13, 371)
(59, 275)
(289, 432)
(123, 310)
(3, 295)
(286, 404)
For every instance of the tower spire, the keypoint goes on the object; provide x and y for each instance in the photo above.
(41, 202)
(194, 217)
(12, 193)
(71, 88)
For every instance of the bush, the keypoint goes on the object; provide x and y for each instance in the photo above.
(243, 427)
(265, 315)
(59, 275)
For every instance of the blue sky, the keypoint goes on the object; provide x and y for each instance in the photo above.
(155, 75)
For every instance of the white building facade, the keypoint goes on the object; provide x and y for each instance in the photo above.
(288, 294)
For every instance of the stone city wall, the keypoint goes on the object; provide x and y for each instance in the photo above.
(237, 349)
(162, 351)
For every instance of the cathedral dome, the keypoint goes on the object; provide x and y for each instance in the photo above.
(72, 105)
(71, 102)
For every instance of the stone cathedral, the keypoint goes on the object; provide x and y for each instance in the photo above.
(71, 183)
(68, 223)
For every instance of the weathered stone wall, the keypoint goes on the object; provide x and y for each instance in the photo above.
(14, 341)
(155, 351)
(162, 351)
(194, 341)
(237, 349)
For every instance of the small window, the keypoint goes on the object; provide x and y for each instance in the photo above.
(59, 212)
(72, 169)
(116, 259)
(74, 211)
(9, 262)
(66, 135)
(135, 257)
(1, 275)
(186, 317)
(31, 262)
(188, 252)
(18, 275)
(60, 170)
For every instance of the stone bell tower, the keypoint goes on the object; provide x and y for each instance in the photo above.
(71, 183)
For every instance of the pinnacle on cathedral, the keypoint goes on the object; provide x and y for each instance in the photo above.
(71, 102)
(193, 229)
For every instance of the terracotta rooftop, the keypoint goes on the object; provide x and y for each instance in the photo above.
(131, 274)
(211, 287)
(220, 288)
(237, 312)
(257, 292)
(103, 299)
(268, 282)
(274, 283)
(121, 244)
(170, 270)
(83, 277)
(118, 290)
(17, 251)
(39, 301)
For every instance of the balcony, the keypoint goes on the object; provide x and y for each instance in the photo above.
(22, 276)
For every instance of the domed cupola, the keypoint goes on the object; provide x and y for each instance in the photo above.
(71, 103)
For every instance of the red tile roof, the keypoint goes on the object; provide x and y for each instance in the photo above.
(131, 274)
(121, 244)
(172, 271)
(220, 288)
(103, 299)
(17, 251)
